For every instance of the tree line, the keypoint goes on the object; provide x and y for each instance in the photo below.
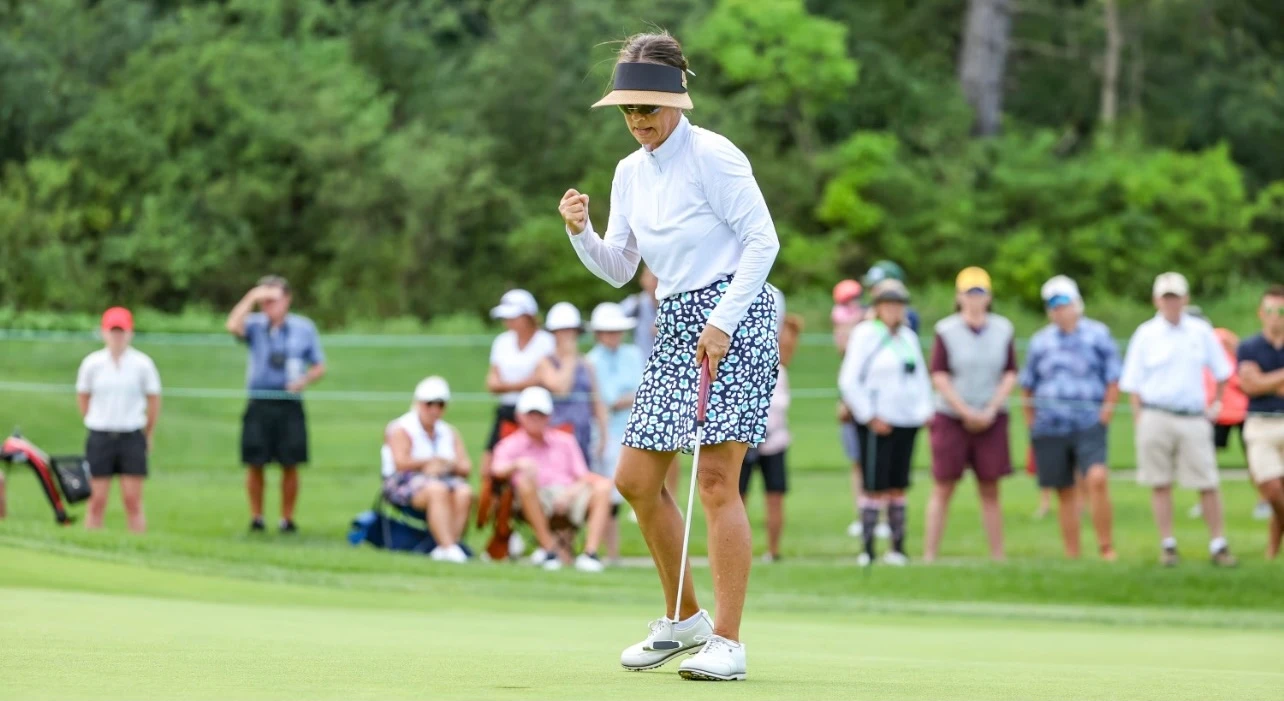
(405, 157)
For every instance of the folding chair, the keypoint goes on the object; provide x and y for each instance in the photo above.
(495, 505)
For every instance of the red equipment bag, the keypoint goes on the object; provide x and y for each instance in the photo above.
(66, 474)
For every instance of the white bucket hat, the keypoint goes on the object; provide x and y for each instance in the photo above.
(563, 315)
(535, 399)
(609, 316)
(515, 303)
(432, 389)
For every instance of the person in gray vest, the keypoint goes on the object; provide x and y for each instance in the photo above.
(974, 370)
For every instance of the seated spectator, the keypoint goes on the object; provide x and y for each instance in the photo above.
(884, 382)
(551, 478)
(425, 467)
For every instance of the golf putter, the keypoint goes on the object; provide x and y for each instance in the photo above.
(702, 401)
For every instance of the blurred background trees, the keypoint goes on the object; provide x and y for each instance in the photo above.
(405, 157)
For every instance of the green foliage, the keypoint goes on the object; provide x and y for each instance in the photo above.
(403, 158)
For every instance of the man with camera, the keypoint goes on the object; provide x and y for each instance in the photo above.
(285, 357)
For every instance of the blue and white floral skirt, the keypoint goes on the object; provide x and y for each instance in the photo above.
(664, 411)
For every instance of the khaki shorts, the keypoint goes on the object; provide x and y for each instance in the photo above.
(1264, 442)
(578, 510)
(1171, 447)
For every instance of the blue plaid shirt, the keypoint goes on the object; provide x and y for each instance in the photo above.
(1067, 374)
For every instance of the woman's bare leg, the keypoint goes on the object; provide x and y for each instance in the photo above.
(640, 479)
(730, 543)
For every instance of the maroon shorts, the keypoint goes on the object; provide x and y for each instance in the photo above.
(954, 449)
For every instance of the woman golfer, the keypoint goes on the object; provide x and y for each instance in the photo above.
(687, 204)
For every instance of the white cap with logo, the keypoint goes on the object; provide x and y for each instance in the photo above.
(609, 316)
(432, 389)
(561, 316)
(535, 399)
(1171, 284)
(515, 303)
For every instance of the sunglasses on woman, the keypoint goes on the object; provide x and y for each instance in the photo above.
(639, 109)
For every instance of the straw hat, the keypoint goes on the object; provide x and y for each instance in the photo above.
(648, 84)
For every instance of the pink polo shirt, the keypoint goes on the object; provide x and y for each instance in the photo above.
(558, 456)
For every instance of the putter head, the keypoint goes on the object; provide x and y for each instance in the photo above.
(665, 645)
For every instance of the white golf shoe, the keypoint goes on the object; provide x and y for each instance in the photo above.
(690, 637)
(720, 660)
(588, 563)
(855, 529)
(882, 531)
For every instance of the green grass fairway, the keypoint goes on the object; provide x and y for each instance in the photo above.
(72, 630)
(198, 608)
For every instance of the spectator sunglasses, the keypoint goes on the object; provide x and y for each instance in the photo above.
(640, 109)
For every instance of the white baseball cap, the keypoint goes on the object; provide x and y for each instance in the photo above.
(432, 389)
(609, 316)
(535, 399)
(1061, 286)
(1171, 284)
(515, 303)
(561, 316)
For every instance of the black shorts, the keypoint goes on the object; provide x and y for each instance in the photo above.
(893, 455)
(274, 431)
(1058, 458)
(503, 412)
(111, 453)
(773, 471)
(1222, 433)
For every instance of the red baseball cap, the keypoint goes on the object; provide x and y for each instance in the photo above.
(846, 291)
(118, 318)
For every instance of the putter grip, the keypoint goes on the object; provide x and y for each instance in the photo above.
(702, 400)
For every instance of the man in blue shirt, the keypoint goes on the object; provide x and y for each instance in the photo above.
(1261, 376)
(284, 358)
(1070, 383)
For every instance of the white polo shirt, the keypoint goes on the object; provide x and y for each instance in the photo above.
(1165, 362)
(117, 391)
(693, 211)
(515, 364)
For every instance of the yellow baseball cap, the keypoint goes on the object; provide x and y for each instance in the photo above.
(972, 278)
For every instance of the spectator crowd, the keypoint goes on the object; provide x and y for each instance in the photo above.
(560, 414)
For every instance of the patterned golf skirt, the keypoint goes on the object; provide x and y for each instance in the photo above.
(664, 411)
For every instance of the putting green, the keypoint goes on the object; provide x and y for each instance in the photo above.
(70, 630)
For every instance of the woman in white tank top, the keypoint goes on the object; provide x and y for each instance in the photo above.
(425, 466)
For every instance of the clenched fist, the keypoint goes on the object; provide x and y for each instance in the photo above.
(574, 209)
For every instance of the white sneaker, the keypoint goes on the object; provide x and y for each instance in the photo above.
(516, 545)
(864, 560)
(855, 530)
(453, 553)
(545, 559)
(1262, 512)
(891, 557)
(720, 660)
(882, 531)
(588, 563)
(642, 656)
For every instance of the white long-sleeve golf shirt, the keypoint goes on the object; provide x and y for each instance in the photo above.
(693, 211)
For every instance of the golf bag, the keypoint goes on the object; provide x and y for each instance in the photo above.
(61, 477)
